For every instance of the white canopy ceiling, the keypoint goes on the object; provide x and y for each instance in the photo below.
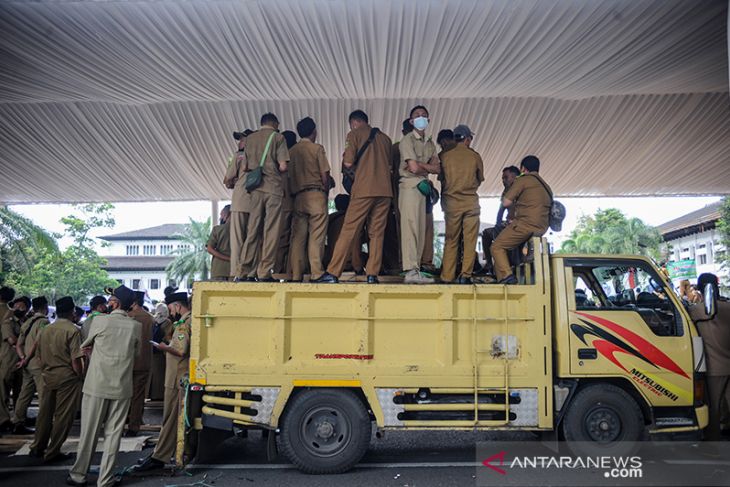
(136, 100)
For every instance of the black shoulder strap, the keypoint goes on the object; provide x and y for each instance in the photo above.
(373, 132)
(550, 193)
(33, 321)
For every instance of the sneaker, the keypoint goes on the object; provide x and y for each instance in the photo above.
(148, 464)
(415, 277)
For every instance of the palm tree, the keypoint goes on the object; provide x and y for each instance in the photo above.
(192, 260)
(21, 241)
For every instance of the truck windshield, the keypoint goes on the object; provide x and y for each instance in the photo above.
(626, 286)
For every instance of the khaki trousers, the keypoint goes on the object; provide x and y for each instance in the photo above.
(513, 235)
(140, 379)
(6, 379)
(157, 376)
(239, 223)
(718, 394)
(264, 225)
(96, 411)
(55, 417)
(309, 231)
(461, 227)
(412, 208)
(283, 262)
(427, 254)
(374, 210)
(32, 383)
(167, 442)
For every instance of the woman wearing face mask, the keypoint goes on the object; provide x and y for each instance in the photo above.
(418, 160)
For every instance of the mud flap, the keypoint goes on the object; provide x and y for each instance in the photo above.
(271, 450)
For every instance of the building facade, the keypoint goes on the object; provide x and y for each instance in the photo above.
(138, 258)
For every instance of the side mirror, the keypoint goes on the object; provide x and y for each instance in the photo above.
(710, 301)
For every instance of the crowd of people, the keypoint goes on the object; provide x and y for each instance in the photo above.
(100, 365)
(279, 222)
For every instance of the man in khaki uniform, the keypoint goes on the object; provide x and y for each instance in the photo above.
(283, 263)
(97, 306)
(115, 340)
(29, 363)
(391, 243)
(264, 222)
(142, 363)
(59, 351)
(715, 335)
(462, 171)
(219, 246)
(10, 331)
(309, 173)
(335, 221)
(176, 368)
(509, 174)
(418, 160)
(370, 198)
(531, 198)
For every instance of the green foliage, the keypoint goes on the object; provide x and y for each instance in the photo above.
(611, 232)
(192, 261)
(21, 242)
(75, 271)
(723, 228)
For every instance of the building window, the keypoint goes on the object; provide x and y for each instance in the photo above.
(702, 259)
(154, 284)
(149, 249)
(165, 249)
(183, 248)
(132, 249)
(136, 283)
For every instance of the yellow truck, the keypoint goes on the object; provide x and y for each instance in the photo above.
(595, 348)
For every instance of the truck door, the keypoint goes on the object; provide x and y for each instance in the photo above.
(624, 322)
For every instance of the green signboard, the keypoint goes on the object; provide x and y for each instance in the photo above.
(683, 269)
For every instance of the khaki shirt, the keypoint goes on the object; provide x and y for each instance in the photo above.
(10, 329)
(241, 199)
(416, 148)
(462, 172)
(177, 367)
(715, 335)
(29, 332)
(372, 175)
(531, 201)
(86, 325)
(220, 239)
(308, 162)
(58, 344)
(115, 338)
(273, 180)
(143, 360)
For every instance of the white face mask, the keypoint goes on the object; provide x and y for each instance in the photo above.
(420, 123)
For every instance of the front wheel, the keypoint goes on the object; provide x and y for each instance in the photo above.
(325, 431)
(603, 420)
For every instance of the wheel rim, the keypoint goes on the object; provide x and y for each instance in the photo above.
(603, 424)
(325, 431)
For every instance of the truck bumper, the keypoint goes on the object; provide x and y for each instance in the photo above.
(703, 416)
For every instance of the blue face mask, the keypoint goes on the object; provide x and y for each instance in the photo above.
(420, 123)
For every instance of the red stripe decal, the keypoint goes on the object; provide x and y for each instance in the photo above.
(344, 355)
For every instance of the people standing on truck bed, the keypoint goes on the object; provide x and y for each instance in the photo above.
(509, 174)
(283, 264)
(142, 363)
(418, 160)
(391, 242)
(309, 180)
(368, 150)
(354, 259)
(462, 171)
(116, 341)
(531, 198)
(219, 246)
(177, 354)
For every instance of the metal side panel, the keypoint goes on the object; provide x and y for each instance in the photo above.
(389, 408)
(269, 395)
(527, 410)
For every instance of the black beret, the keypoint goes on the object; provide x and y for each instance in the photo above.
(23, 299)
(96, 301)
(125, 296)
(139, 297)
(177, 298)
(39, 302)
(65, 304)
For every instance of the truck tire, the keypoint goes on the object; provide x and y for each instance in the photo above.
(325, 431)
(603, 420)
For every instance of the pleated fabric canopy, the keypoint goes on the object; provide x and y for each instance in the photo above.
(136, 100)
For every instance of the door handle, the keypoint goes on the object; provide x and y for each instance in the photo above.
(587, 353)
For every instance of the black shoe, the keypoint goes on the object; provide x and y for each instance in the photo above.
(148, 464)
(511, 279)
(73, 483)
(35, 453)
(360, 272)
(6, 427)
(240, 279)
(327, 278)
(30, 422)
(130, 433)
(465, 280)
(59, 457)
(249, 279)
(20, 429)
(266, 279)
(373, 280)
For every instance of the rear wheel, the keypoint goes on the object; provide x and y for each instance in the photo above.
(325, 431)
(603, 420)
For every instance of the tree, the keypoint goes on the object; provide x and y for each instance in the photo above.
(723, 228)
(192, 259)
(611, 232)
(21, 242)
(76, 271)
